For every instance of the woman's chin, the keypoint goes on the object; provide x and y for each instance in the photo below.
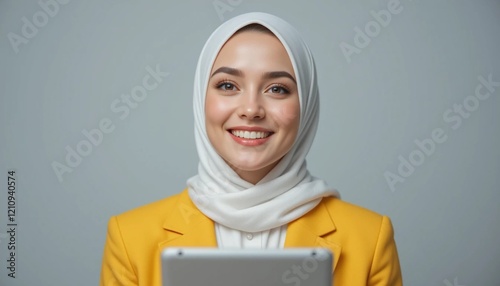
(252, 172)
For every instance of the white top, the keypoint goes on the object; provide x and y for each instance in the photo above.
(233, 238)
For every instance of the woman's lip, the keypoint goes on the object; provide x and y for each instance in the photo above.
(249, 142)
(250, 128)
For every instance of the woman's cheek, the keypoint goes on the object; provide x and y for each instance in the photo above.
(215, 107)
(289, 114)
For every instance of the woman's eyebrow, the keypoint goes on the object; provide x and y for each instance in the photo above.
(228, 70)
(239, 73)
(276, 74)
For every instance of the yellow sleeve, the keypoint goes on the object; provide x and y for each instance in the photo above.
(116, 269)
(385, 269)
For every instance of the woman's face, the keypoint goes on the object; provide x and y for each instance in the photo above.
(252, 105)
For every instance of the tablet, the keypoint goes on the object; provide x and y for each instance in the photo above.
(246, 267)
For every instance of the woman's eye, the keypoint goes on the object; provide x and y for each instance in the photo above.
(279, 89)
(226, 86)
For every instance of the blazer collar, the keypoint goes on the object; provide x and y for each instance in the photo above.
(187, 226)
(311, 229)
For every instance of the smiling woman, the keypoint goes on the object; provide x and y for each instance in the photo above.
(252, 105)
(256, 110)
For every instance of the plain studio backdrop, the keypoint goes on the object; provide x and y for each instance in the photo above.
(96, 119)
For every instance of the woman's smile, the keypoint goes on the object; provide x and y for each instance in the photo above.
(250, 136)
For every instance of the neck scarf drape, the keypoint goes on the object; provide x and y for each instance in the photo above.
(288, 191)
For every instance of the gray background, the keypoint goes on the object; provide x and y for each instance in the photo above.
(393, 92)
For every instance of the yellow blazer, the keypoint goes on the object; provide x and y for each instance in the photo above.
(361, 240)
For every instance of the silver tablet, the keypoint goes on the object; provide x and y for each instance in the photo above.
(246, 267)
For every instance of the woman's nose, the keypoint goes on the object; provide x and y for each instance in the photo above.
(251, 106)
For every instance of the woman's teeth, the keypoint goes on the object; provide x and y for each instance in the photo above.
(250, 134)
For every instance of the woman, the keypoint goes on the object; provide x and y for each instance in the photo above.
(256, 107)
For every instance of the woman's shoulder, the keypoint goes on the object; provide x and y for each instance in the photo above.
(157, 210)
(346, 213)
(338, 205)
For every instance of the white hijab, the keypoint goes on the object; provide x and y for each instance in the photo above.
(286, 192)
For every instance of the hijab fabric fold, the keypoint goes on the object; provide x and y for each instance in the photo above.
(288, 191)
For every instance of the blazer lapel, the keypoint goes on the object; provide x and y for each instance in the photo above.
(310, 229)
(187, 226)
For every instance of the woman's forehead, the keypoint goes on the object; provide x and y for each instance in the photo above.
(254, 50)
